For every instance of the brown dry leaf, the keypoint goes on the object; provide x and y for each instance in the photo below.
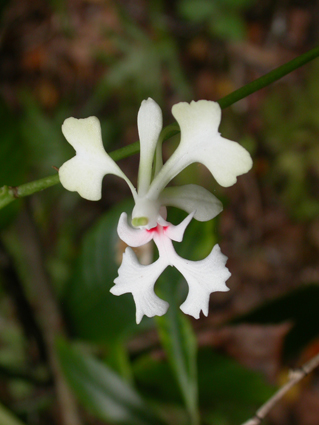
(254, 346)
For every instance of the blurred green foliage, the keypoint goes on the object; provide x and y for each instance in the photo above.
(142, 61)
(95, 314)
(101, 391)
(291, 131)
(223, 18)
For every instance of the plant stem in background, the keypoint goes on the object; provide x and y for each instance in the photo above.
(268, 79)
(9, 194)
(49, 316)
(295, 376)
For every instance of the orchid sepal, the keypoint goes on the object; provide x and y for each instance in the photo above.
(85, 171)
(149, 123)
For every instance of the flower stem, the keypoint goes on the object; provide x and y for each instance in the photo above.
(9, 194)
(269, 78)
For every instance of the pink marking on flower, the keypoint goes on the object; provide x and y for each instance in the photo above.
(153, 229)
(157, 229)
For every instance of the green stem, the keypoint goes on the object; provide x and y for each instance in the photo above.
(9, 194)
(269, 78)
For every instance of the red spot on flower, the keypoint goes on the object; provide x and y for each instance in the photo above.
(152, 230)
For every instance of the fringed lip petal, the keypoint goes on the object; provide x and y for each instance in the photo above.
(140, 280)
(149, 123)
(192, 197)
(84, 172)
(203, 277)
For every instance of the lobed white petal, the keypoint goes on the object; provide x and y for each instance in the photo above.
(149, 123)
(140, 280)
(84, 172)
(202, 117)
(82, 176)
(132, 236)
(203, 278)
(192, 197)
(201, 142)
(84, 134)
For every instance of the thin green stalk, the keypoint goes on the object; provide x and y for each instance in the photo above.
(269, 78)
(9, 194)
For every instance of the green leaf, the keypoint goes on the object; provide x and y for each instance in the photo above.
(198, 11)
(222, 378)
(237, 4)
(224, 383)
(42, 135)
(179, 342)
(117, 358)
(229, 26)
(174, 328)
(95, 314)
(7, 418)
(155, 380)
(102, 391)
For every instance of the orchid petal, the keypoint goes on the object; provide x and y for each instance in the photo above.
(140, 280)
(84, 172)
(203, 278)
(149, 123)
(132, 236)
(192, 197)
(80, 175)
(176, 233)
(201, 142)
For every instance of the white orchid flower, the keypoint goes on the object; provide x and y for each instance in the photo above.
(203, 277)
(200, 142)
